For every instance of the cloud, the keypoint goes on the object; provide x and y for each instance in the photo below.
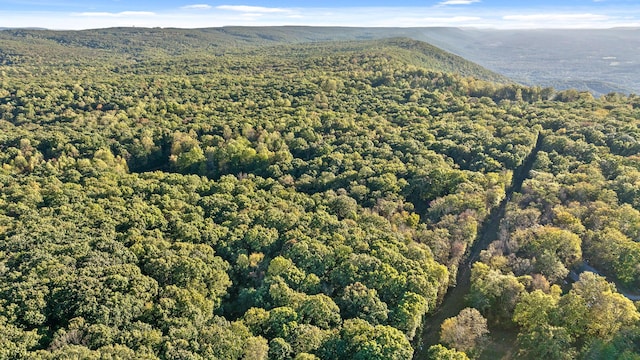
(442, 21)
(452, 19)
(120, 14)
(197, 7)
(252, 9)
(556, 17)
(458, 2)
(430, 19)
(564, 21)
(390, 16)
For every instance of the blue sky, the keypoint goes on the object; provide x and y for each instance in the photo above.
(74, 14)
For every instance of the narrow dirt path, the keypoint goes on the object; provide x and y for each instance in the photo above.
(454, 300)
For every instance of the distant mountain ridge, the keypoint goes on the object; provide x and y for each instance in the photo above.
(126, 46)
(600, 61)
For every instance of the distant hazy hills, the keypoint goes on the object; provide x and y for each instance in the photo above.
(597, 60)
(600, 61)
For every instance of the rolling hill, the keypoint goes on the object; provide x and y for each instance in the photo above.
(600, 61)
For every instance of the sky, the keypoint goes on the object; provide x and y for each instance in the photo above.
(500, 14)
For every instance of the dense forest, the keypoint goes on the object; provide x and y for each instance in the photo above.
(596, 60)
(172, 196)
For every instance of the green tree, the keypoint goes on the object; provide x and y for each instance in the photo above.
(360, 302)
(439, 352)
(357, 339)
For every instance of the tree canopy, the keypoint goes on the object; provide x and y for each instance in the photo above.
(301, 201)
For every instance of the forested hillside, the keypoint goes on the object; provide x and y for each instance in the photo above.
(162, 200)
(595, 60)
